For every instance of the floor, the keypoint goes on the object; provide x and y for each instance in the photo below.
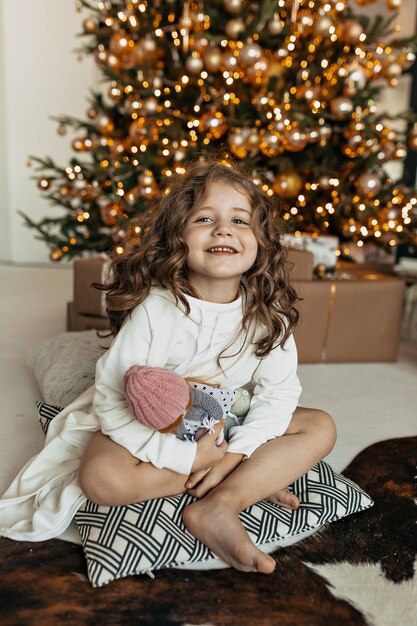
(370, 402)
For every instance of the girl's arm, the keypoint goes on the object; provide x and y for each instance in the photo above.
(133, 346)
(276, 394)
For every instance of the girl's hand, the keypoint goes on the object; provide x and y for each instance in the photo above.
(208, 453)
(200, 483)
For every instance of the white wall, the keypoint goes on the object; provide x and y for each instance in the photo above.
(40, 76)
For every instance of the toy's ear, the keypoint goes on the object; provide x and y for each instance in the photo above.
(203, 400)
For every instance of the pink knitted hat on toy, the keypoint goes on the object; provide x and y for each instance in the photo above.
(157, 396)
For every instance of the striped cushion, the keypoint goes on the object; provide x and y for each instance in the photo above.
(123, 540)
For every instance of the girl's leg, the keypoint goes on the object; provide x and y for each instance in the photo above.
(214, 519)
(110, 475)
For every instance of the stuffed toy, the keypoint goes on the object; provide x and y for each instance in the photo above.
(164, 401)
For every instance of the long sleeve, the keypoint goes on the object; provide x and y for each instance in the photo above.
(133, 345)
(275, 397)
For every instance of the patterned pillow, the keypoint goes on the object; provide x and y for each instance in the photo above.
(121, 541)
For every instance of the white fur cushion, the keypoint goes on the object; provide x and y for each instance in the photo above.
(64, 366)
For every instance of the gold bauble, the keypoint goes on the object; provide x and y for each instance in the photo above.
(78, 144)
(400, 152)
(394, 5)
(351, 31)
(64, 190)
(393, 70)
(294, 140)
(234, 28)
(194, 63)
(270, 142)
(288, 184)
(90, 25)
(341, 107)
(212, 58)
(44, 183)
(139, 132)
(233, 6)
(92, 113)
(274, 26)
(55, 254)
(249, 54)
(237, 142)
(150, 105)
(110, 212)
(121, 44)
(368, 184)
(213, 123)
(322, 25)
(228, 61)
(145, 50)
(113, 62)
(105, 124)
(115, 93)
(258, 73)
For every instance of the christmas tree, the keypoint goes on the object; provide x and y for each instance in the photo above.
(288, 88)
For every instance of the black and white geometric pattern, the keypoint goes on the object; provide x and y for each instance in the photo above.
(46, 413)
(123, 540)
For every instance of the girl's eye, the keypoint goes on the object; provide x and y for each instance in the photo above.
(203, 219)
(239, 220)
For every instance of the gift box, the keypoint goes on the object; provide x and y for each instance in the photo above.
(79, 321)
(91, 301)
(323, 247)
(87, 299)
(356, 320)
(301, 264)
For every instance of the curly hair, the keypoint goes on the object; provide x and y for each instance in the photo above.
(160, 258)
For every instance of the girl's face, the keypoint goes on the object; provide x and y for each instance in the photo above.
(221, 242)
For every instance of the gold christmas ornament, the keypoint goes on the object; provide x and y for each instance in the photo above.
(288, 184)
(55, 255)
(150, 105)
(394, 5)
(194, 63)
(257, 73)
(393, 70)
(44, 183)
(274, 26)
(233, 6)
(351, 31)
(341, 107)
(139, 132)
(243, 142)
(234, 28)
(294, 140)
(109, 213)
(104, 124)
(368, 184)
(228, 61)
(90, 25)
(322, 25)
(115, 93)
(92, 113)
(270, 142)
(212, 58)
(249, 54)
(121, 44)
(213, 123)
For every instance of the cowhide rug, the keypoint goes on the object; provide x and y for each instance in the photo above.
(357, 572)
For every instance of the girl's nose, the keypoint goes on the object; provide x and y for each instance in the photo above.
(222, 229)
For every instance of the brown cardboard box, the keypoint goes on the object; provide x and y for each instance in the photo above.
(356, 320)
(91, 301)
(87, 299)
(79, 321)
(341, 320)
(302, 262)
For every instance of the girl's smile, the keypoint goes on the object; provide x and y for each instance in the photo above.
(221, 243)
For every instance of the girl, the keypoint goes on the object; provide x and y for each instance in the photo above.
(207, 295)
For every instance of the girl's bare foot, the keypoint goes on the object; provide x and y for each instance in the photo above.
(285, 498)
(218, 526)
